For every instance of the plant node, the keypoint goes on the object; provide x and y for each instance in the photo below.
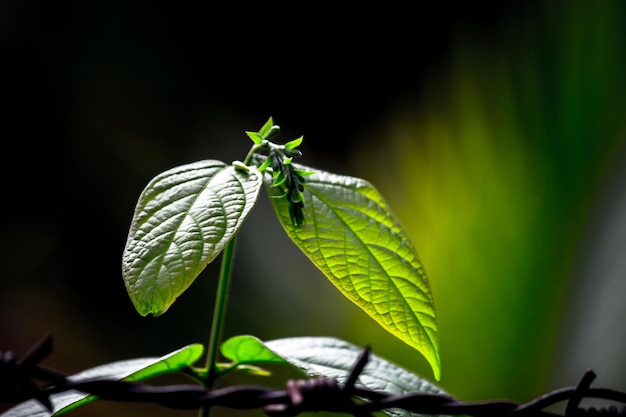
(285, 176)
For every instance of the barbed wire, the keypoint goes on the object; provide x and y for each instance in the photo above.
(18, 383)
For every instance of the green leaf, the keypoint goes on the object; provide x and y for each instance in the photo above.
(256, 137)
(334, 358)
(129, 370)
(279, 179)
(249, 350)
(353, 237)
(265, 129)
(267, 163)
(183, 220)
(294, 143)
(244, 351)
(173, 362)
(304, 173)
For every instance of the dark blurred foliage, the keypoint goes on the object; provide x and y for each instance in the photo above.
(101, 96)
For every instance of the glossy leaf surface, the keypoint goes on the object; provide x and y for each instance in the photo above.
(183, 220)
(353, 237)
(249, 349)
(245, 353)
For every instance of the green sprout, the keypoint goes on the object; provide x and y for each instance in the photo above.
(285, 176)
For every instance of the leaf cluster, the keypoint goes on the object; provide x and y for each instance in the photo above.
(285, 176)
(188, 215)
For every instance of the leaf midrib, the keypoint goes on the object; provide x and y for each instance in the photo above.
(335, 212)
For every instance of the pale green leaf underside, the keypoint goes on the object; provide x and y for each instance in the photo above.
(183, 220)
(334, 358)
(353, 237)
(331, 358)
(129, 370)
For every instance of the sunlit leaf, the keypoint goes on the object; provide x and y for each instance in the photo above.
(255, 136)
(245, 352)
(128, 370)
(352, 236)
(248, 349)
(183, 220)
(267, 126)
(335, 358)
(294, 143)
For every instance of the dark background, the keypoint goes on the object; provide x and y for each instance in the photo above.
(101, 96)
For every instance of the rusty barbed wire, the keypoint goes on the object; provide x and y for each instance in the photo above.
(18, 383)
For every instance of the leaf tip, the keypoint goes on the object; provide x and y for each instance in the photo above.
(435, 362)
(437, 372)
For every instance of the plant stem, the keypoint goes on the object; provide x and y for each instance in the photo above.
(253, 150)
(218, 315)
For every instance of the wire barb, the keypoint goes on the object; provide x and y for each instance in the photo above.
(358, 368)
(579, 393)
(17, 384)
(17, 378)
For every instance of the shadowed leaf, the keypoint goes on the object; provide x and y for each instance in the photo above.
(335, 358)
(129, 370)
(183, 220)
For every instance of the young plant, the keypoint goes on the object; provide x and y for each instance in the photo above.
(189, 215)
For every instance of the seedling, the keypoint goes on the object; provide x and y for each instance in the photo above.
(187, 216)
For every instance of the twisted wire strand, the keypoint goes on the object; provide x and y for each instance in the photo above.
(17, 384)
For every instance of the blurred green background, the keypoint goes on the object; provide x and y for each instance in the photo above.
(495, 131)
